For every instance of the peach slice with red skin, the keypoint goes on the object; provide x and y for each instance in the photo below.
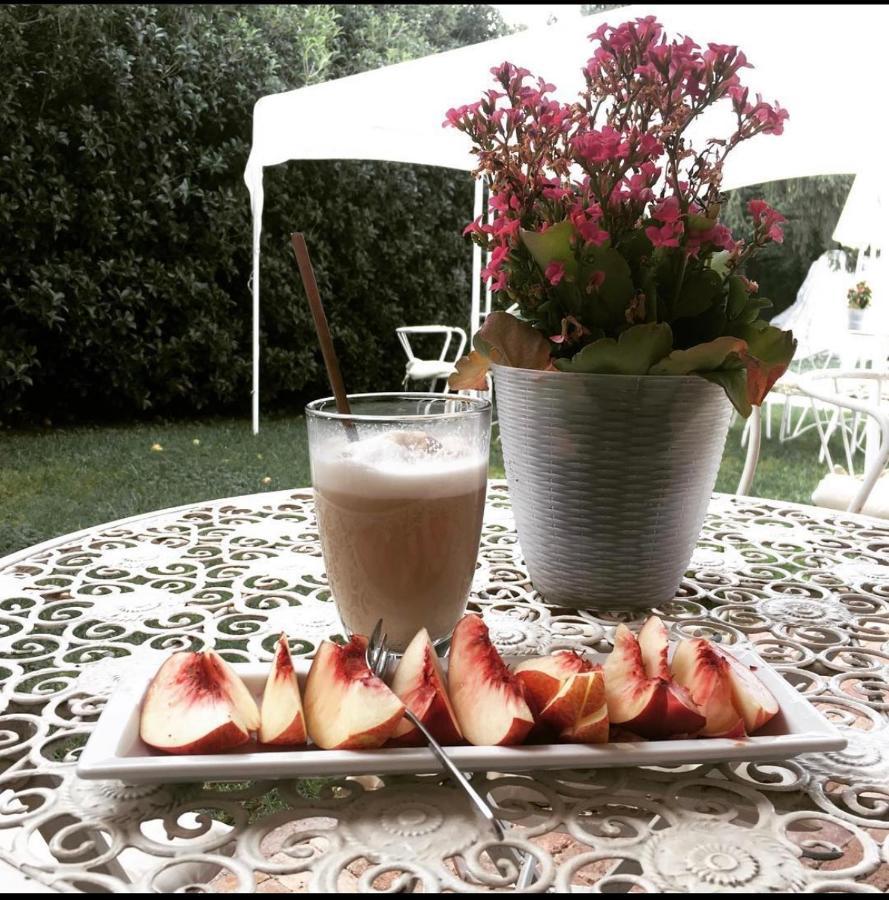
(578, 712)
(750, 697)
(197, 704)
(543, 676)
(420, 685)
(283, 722)
(591, 730)
(488, 698)
(705, 673)
(346, 706)
(641, 695)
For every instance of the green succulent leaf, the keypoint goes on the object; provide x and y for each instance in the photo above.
(737, 297)
(706, 357)
(733, 381)
(617, 289)
(633, 353)
(649, 288)
(700, 223)
(700, 290)
(552, 245)
(754, 307)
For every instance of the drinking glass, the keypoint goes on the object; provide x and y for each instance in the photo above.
(399, 497)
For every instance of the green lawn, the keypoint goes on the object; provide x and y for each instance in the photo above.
(60, 480)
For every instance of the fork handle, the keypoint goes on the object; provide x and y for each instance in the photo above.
(528, 867)
(476, 798)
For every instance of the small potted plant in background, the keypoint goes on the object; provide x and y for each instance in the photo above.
(635, 324)
(859, 298)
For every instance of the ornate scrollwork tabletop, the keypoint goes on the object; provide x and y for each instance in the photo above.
(808, 588)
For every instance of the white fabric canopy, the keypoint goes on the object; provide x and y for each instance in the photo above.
(823, 63)
(864, 221)
(818, 317)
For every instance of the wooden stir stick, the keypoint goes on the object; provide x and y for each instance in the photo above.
(334, 375)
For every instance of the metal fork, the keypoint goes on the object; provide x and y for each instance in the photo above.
(377, 657)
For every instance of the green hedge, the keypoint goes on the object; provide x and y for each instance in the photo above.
(125, 222)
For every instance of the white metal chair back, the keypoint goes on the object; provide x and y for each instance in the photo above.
(864, 400)
(432, 370)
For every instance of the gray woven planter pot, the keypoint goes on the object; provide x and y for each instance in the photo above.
(610, 477)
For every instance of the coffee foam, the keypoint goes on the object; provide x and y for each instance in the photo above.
(382, 467)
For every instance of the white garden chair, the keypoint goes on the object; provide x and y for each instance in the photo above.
(861, 395)
(432, 370)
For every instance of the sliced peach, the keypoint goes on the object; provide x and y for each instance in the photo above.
(578, 712)
(704, 672)
(420, 684)
(750, 697)
(489, 699)
(646, 702)
(197, 704)
(347, 707)
(283, 722)
(543, 675)
(591, 730)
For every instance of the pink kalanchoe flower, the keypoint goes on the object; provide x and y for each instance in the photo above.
(721, 236)
(501, 282)
(667, 210)
(666, 236)
(591, 232)
(767, 220)
(501, 201)
(649, 146)
(596, 280)
(555, 272)
(492, 271)
(718, 236)
(601, 146)
(771, 118)
(478, 227)
(572, 330)
(503, 227)
(556, 192)
(586, 222)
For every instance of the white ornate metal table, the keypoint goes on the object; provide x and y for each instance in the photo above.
(809, 588)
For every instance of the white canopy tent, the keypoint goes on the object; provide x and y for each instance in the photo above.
(864, 221)
(824, 64)
(864, 225)
(818, 317)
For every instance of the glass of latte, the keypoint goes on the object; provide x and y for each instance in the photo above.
(399, 496)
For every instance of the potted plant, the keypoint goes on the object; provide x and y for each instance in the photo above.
(859, 299)
(635, 323)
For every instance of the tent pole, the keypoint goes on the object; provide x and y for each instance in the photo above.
(256, 200)
(475, 312)
(255, 391)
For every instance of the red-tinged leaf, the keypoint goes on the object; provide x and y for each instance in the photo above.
(512, 342)
(761, 377)
(503, 340)
(471, 374)
(769, 352)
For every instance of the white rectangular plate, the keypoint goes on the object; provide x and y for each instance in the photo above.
(115, 750)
